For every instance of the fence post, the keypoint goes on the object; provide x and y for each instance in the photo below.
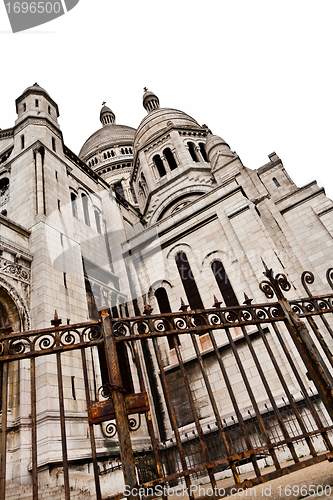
(314, 363)
(117, 394)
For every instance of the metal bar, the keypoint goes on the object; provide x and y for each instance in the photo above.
(172, 418)
(147, 413)
(302, 387)
(4, 431)
(321, 340)
(234, 402)
(33, 430)
(317, 370)
(124, 439)
(63, 427)
(286, 390)
(91, 427)
(247, 483)
(196, 418)
(269, 392)
(253, 400)
(215, 409)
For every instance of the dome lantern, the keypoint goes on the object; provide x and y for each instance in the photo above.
(107, 116)
(150, 100)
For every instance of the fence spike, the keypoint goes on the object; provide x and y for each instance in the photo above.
(268, 272)
(148, 309)
(216, 304)
(183, 307)
(56, 321)
(247, 300)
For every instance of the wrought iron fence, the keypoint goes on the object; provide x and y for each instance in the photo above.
(250, 403)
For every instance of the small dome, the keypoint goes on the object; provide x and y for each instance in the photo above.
(108, 136)
(35, 87)
(107, 116)
(214, 145)
(150, 100)
(162, 118)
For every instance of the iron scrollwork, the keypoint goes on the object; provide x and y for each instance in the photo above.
(109, 429)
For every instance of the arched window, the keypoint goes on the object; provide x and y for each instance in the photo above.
(98, 222)
(170, 158)
(74, 207)
(224, 284)
(159, 165)
(203, 151)
(133, 194)
(85, 209)
(192, 151)
(164, 307)
(276, 182)
(119, 189)
(141, 191)
(189, 284)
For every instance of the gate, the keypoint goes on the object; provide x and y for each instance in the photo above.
(246, 396)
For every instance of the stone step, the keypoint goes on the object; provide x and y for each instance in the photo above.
(17, 492)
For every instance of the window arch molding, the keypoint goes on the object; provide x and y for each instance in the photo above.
(158, 284)
(208, 260)
(180, 247)
(81, 191)
(9, 296)
(173, 197)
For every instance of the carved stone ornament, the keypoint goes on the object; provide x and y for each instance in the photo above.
(14, 270)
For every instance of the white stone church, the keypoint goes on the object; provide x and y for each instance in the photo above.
(158, 213)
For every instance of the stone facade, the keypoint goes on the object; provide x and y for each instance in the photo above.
(111, 222)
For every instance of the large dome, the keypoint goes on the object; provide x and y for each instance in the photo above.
(159, 119)
(108, 136)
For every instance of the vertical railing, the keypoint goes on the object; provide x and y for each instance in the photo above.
(117, 393)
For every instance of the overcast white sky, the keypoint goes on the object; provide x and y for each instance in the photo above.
(258, 73)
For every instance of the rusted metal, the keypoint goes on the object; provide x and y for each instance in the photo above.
(4, 431)
(125, 447)
(215, 408)
(33, 430)
(247, 437)
(173, 419)
(317, 369)
(63, 427)
(101, 411)
(91, 427)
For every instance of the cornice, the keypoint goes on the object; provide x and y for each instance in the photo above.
(15, 248)
(6, 133)
(29, 120)
(83, 166)
(14, 226)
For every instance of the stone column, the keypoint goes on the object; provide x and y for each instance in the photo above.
(39, 182)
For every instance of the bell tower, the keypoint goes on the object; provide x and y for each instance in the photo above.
(171, 167)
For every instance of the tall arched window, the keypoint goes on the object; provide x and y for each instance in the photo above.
(85, 209)
(74, 207)
(98, 222)
(159, 165)
(170, 158)
(133, 194)
(224, 284)
(189, 284)
(119, 189)
(203, 151)
(164, 307)
(192, 151)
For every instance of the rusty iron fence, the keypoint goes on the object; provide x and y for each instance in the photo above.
(246, 388)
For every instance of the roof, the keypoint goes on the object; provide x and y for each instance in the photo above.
(108, 136)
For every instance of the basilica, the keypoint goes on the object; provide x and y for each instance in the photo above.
(153, 215)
